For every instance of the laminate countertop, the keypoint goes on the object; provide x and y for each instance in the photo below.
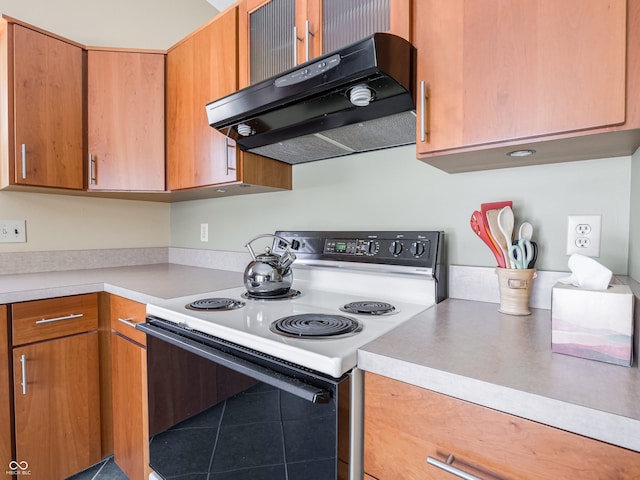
(141, 283)
(468, 350)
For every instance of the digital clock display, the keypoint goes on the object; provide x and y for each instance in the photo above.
(341, 247)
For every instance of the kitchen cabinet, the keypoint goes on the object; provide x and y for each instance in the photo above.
(129, 388)
(56, 391)
(496, 77)
(6, 438)
(41, 108)
(200, 69)
(277, 35)
(125, 109)
(404, 425)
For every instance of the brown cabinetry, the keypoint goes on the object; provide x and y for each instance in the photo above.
(56, 389)
(405, 425)
(125, 103)
(200, 69)
(129, 388)
(41, 108)
(277, 35)
(500, 76)
(6, 437)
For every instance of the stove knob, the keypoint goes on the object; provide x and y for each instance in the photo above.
(395, 248)
(372, 247)
(417, 249)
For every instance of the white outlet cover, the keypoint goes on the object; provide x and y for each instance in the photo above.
(575, 224)
(13, 231)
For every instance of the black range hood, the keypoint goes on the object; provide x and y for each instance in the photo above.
(357, 99)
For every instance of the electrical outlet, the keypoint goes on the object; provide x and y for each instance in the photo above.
(13, 231)
(583, 235)
(204, 232)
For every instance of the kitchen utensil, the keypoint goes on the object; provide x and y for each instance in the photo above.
(269, 274)
(534, 257)
(478, 226)
(498, 237)
(525, 231)
(521, 253)
(506, 222)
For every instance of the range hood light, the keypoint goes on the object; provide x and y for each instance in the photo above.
(360, 95)
(245, 130)
(521, 153)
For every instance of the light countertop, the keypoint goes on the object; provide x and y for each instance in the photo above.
(468, 350)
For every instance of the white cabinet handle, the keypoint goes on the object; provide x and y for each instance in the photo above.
(295, 45)
(24, 160)
(127, 321)
(447, 467)
(23, 360)
(306, 39)
(59, 319)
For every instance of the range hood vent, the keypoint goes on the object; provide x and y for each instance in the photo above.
(354, 100)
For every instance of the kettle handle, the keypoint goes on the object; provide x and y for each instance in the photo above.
(248, 244)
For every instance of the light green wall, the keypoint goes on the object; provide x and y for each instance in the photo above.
(390, 189)
(634, 226)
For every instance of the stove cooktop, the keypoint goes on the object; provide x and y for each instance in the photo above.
(250, 325)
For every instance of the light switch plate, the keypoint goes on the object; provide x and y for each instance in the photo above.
(13, 231)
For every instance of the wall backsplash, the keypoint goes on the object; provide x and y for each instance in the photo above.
(390, 189)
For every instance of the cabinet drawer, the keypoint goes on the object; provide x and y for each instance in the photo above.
(55, 317)
(125, 313)
(405, 424)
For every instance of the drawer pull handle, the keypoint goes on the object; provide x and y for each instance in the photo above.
(58, 319)
(23, 361)
(127, 321)
(447, 467)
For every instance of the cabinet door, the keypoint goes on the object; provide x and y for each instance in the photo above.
(129, 393)
(501, 71)
(57, 405)
(6, 437)
(199, 70)
(405, 424)
(125, 102)
(47, 110)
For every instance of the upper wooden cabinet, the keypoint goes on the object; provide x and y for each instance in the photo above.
(503, 74)
(200, 69)
(276, 35)
(41, 108)
(125, 103)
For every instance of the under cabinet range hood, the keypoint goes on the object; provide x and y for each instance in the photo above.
(357, 99)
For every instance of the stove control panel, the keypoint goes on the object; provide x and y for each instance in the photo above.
(413, 248)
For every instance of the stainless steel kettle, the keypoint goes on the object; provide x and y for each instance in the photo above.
(269, 274)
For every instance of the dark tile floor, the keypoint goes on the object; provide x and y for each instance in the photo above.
(260, 434)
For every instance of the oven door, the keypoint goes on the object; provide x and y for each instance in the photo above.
(220, 410)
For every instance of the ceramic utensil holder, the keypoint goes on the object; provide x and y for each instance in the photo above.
(515, 290)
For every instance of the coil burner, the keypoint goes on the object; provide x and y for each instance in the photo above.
(369, 308)
(316, 326)
(288, 295)
(215, 304)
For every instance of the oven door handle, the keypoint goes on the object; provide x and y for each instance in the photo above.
(258, 372)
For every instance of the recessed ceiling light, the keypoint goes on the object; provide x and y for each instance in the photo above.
(521, 153)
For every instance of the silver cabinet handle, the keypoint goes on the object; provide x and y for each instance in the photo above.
(127, 321)
(423, 113)
(295, 45)
(306, 39)
(23, 360)
(24, 160)
(58, 319)
(232, 147)
(447, 467)
(92, 170)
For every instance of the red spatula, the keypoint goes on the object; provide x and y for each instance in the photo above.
(478, 226)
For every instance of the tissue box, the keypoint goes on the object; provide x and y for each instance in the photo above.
(593, 324)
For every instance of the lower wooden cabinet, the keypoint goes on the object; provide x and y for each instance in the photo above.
(56, 387)
(404, 425)
(6, 436)
(129, 388)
